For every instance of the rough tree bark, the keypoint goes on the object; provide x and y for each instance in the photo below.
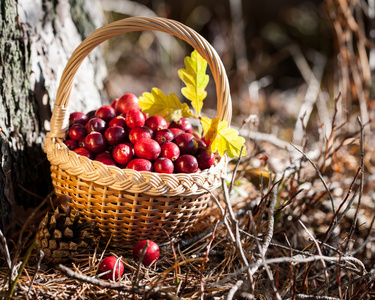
(36, 39)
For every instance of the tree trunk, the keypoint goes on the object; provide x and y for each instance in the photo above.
(37, 38)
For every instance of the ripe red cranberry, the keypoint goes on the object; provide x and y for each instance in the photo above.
(84, 152)
(106, 112)
(140, 164)
(187, 143)
(123, 153)
(82, 143)
(183, 124)
(111, 268)
(156, 123)
(138, 133)
(201, 144)
(151, 255)
(71, 144)
(95, 142)
(114, 103)
(103, 154)
(96, 124)
(78, 117)
(91, 114)
(117, 121)
(127, 102)
(170, 150)
(163, 165)
(106, 160)
(176, 131)
(205, 158)
(77, 131)
(115, 135)
(147, 148)
(135, 118)
(186, 164)
(163, 135)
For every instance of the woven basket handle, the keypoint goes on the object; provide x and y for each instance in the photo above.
(224, 103)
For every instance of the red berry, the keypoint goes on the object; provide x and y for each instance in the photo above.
(187, 143)
(95, 142)
(140, 164)
(114, 103)
(151, 255)
(96, 124)
(156, 123)
(71, 144)
(176, 131)
(117, 121)
(147, 148)
(115, 135)
(77, 131)
(78, 117)
(183, 124)
(205, 158)
(135, 118)
(106, 160)
(201, 144)
(186, 164)
(91, 114)
(163, 135)
(127, 102)
(112, 267)
(163, 165)
(106, 112)
(82, 143)
(123, 153)
(103, 154)
(170, 150)
(84, 152)
(138, 133)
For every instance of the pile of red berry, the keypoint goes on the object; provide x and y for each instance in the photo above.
(122, 135)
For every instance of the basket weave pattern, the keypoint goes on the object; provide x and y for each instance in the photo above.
(125, 204)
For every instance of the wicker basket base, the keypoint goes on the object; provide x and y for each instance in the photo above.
(128, 218)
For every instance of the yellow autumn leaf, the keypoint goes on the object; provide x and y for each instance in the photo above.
(169, 107)
(221, 138)
(195, 79)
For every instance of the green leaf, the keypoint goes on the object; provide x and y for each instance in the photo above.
(221, 138)
(169, 107)
(195, 79)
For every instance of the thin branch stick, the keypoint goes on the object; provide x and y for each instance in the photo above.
(14, 283)
(4, 248)
(301, 260)
(206, 259)
(41, 255)
(362, 246)
(267, 240)
(135, 283)
(354, 223)
(235, 171)
(270, 276)
(234, 289)
(237, 240)
(320, 176)
(319, 251)
(98, 282)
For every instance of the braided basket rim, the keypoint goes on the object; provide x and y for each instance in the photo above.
(148, 183)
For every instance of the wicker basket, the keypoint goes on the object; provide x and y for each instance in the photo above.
(126, 205)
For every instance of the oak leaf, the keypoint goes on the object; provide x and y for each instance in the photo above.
(169, 107)
(222, 138)
(195, 79)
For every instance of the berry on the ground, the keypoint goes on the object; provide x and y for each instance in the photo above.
(151, 255)
(111, 268)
